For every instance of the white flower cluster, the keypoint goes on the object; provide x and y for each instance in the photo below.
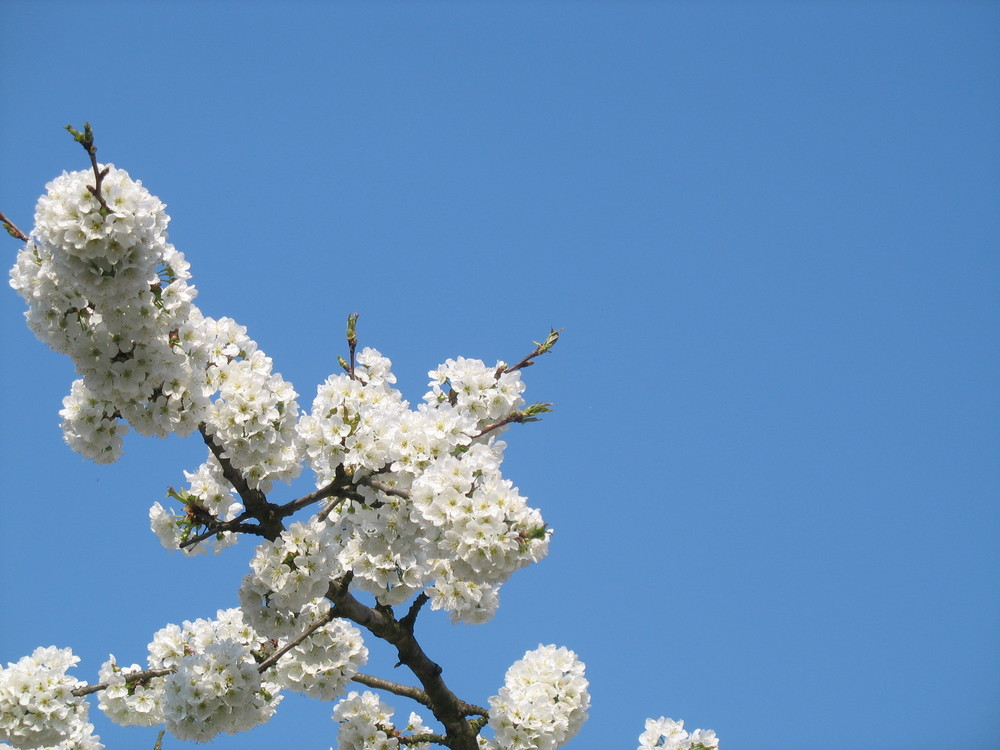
(254, 417)
(37, 707)
(214, 688)
(118, 233)
(366, 724)
(671, 735)
(543, 702)
(437, 513)
(483, 528)
(288, 574)
(213, 495)
(137, 704)
(487, 395)
(323, 664)
(105, 287)
(217, 690)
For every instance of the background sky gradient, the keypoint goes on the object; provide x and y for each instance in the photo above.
(771, 231)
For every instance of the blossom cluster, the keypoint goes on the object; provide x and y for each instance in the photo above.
(415, 498)
(323, 664)
(37, 705)
(670, 735)
(105, 287)
(543, 702)
(366, 724)
(211, 683)
(209, 494)
(435, 513)
(288, 574)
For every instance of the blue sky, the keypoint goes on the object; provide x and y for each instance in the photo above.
(771, 231)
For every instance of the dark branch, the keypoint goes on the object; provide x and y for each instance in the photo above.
(410, 618)
(420, 739)
(341, 486)
(383, 488)
(214, 528)
(254, 500)
(446, 706)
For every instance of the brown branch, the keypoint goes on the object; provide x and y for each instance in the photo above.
(407, 691)
(539, 350)
(410, 618)
(413, 693)
(254, 500)
(12, 229)
(341, 486)
(273, 658)
(135, 678)
(421, 739)
(383, 488)
(445, 705)
(86, 139)
(215, 527)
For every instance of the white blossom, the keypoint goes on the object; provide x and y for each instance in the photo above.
(215, 690)
(366, 724)
(138, 704)
(425, 506)
(215, 686)
(671, 735)
(37, 706)
(323, 664)
(543, 702)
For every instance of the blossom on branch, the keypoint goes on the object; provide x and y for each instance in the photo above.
(410, 505)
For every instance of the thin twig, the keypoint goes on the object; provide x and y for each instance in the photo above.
(86, 139)
(341, 486)
(12, 229)
(528, 414)
(235, 525)
(134, 678)
(540, 349)
(273, 658)
(407, 691)
(384, 488)
(352, 340)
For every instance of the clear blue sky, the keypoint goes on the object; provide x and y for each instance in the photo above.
(771, 231)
